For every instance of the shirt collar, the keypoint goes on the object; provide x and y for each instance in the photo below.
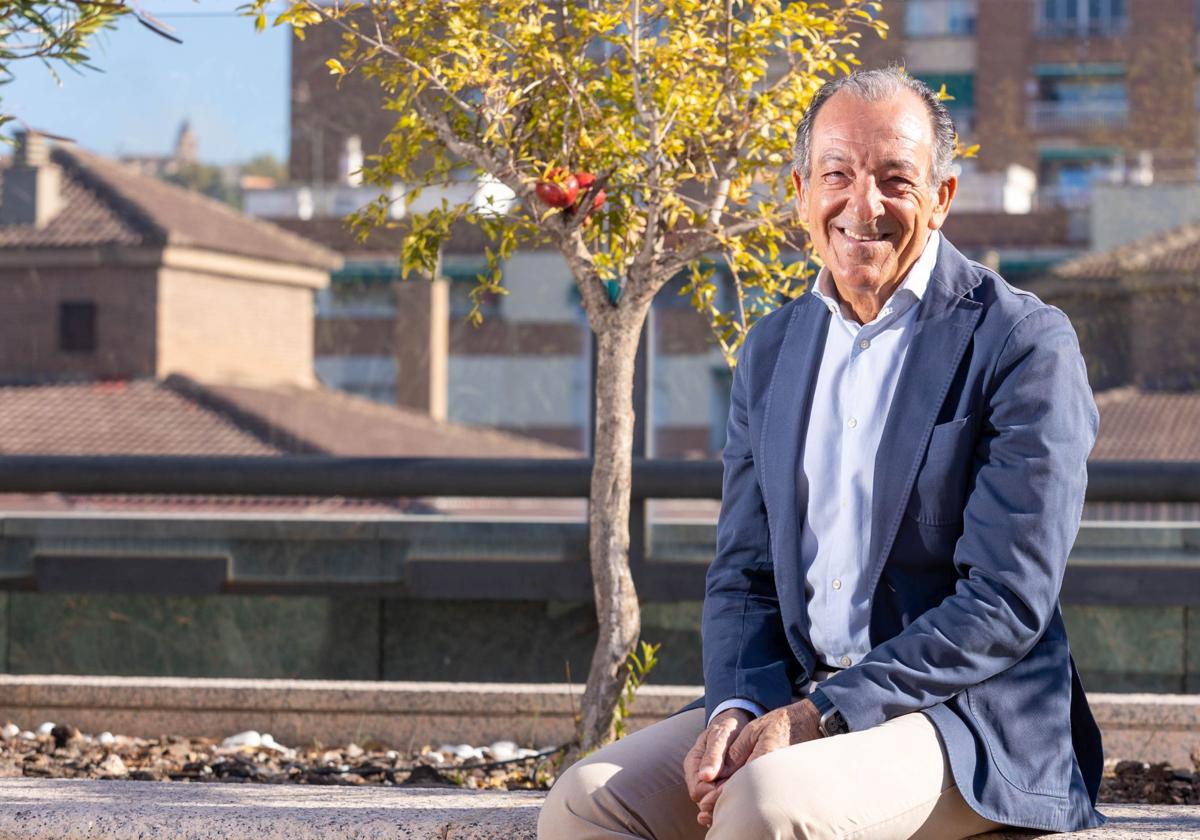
(915, 282)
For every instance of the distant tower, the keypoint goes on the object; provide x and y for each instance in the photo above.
(185, 144)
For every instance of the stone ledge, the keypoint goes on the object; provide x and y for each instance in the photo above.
(1144, 727)
(68, 809)
(1126, 822)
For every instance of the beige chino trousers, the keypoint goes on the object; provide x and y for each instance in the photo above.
(888, 782)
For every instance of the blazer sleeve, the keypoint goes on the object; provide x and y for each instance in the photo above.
(1019, 523)
(746, 653)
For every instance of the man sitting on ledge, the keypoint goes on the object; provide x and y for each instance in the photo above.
(884, 654)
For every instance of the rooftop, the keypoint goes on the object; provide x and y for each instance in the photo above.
(108, 203)
(1148, 425)
(179, 416)
(1174, 252)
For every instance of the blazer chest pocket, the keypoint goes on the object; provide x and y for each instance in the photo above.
(939, 492)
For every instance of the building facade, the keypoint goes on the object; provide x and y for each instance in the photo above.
(1066, 99)
(106, 273)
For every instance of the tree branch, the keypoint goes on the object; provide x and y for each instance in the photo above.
(701, 240)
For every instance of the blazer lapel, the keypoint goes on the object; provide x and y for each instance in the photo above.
(944, 325)
(786, 420)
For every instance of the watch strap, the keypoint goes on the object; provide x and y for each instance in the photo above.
(831, 721)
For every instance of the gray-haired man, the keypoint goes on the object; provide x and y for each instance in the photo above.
(884, 654)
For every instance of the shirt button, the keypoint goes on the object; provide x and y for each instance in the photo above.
(845, 660)
(865, 343)
(852, 423)
(837, 584)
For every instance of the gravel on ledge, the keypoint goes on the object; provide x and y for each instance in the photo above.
(60, 751)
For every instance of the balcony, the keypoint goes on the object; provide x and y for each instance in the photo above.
(1077, 116)
(1102, 27)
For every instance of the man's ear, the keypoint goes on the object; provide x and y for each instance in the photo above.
(801, 198)
(941, 206)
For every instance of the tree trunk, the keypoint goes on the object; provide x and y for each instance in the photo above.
(608, 521)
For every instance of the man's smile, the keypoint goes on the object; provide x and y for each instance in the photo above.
(864, 236)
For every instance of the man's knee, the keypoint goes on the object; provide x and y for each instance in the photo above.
(581, 792)
(769, 801)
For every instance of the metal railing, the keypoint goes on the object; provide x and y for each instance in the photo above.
(556, 576)
(367, 478)
(1077, 116)
(1101, 27)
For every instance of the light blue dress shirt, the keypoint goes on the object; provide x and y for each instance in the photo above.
(856, 381)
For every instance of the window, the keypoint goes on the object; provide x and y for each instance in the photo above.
(1073, 97)
(1081, 18)
(361, 289)
(463, 277)
(933, 18)
(77, 327)
(1066, 175)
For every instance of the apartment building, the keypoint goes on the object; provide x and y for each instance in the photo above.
(1061, 95)
(1078, 91)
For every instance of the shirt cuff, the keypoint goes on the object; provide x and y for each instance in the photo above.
(738, 703)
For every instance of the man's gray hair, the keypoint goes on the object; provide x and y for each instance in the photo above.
(875, 86)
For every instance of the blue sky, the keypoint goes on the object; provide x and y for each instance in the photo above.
(230, 81)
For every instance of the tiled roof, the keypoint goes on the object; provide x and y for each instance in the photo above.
(1142, 425)
(335, 423)
(86, 220)
(107, 203)
(117, 418)
(181, 417)
(1173, 252)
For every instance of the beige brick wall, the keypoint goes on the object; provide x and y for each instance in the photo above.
(219, 329)
(29, 328)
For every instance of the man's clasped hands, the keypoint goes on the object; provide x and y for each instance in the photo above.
(734, 739)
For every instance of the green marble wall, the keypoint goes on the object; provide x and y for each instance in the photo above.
(1191, 641)
(1128, 648)
(217, 636)
(1116, 648)
(523, 641)
(488, 641)
(4, 631)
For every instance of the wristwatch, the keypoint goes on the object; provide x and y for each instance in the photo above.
(832, 722)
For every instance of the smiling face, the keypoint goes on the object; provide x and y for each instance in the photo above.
(868, 203)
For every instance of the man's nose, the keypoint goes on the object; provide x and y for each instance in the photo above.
(866, 200)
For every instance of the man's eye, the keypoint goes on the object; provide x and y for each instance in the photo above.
(833, 177)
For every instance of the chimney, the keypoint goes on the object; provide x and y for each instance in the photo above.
(32, 191)
(422, 344)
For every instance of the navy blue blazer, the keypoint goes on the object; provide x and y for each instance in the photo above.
(979, 485)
